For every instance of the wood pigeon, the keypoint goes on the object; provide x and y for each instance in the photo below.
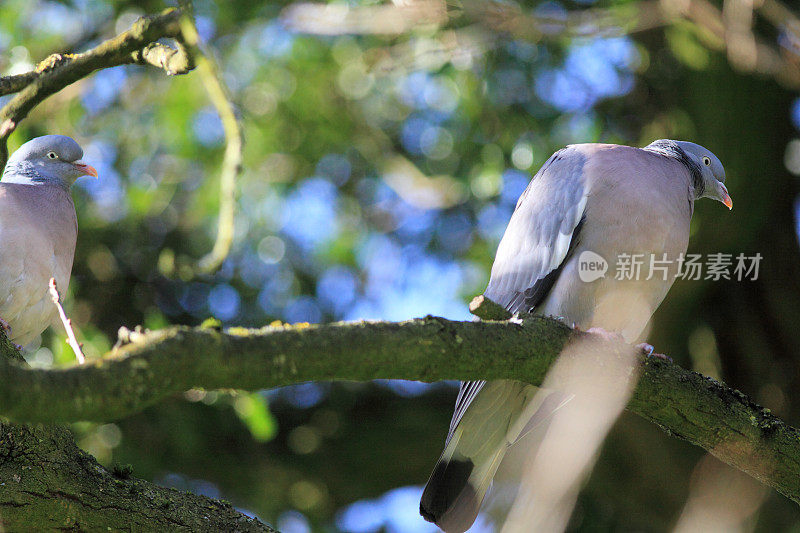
(588, 202)
(38, 231)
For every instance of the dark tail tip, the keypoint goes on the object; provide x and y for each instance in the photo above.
(427, 515)
(446, 484)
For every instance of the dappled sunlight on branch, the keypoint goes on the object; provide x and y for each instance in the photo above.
(146, 367)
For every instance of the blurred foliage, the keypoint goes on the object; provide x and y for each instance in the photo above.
(379, 176)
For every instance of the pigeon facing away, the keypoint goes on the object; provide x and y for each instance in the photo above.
(38, 231)
(600, 198)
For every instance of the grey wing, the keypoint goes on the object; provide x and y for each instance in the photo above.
(543, 231)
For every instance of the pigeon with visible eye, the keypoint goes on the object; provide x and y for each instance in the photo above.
(38, 231)
(588, 204)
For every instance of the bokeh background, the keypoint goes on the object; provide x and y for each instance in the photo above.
(386, 149)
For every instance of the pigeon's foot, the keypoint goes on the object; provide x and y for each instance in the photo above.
(7, 328)
(649, 351)
(610, 336)
(646, 349)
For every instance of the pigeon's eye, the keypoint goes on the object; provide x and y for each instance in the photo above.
(707, 161)
(52, 155)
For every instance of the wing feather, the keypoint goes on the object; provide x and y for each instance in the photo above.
(466, 393)
(542, 232)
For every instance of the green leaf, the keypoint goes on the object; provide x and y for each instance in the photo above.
(687, 48)
(252, 409)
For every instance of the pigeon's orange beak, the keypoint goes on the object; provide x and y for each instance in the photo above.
(88, 170)
(727, 200)
(722, 195)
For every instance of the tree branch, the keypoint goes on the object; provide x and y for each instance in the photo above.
(153, 365)
(49, 484)
(232, 160)
(137, 45)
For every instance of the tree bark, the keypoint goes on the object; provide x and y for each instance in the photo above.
(47, 483)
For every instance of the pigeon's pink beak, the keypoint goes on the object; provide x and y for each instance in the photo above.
(88, 170)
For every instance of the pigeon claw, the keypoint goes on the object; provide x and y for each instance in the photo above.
(646, 349)
(649, 351)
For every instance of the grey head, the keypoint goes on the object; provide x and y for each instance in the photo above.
(47, 160)
(708, 174)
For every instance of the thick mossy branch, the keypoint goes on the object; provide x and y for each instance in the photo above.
(49, 484)
(156, 364)
(153, 365)
(137, 45)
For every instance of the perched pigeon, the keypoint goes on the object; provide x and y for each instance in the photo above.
(588, 202)
(38, 231)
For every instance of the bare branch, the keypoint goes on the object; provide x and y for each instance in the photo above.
(232, 160)
(17, 82)
(384, 19)
(503, 17)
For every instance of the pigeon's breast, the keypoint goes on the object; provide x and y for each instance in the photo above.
(37, 241)
(629, 252)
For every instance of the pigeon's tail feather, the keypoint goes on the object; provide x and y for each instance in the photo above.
(456, 488)
(497, 417)
(449, 494)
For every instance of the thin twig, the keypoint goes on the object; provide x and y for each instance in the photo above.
(71, 339)
(232, 160)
